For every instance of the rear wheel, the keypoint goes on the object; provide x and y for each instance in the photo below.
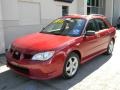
(110, 48)
(71, 65)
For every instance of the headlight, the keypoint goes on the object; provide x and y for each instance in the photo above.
(43, 56)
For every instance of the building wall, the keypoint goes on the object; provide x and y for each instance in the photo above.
(116, 11)
(2, 48)
(109, 9)
(112, 10)
(22, 17)
(82, 7)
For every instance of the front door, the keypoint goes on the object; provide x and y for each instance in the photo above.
(90, 43)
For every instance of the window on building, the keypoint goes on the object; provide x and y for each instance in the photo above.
(65, 10)
(95, 7)
(68, 1)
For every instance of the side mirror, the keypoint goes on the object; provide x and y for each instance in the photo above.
(90, 33)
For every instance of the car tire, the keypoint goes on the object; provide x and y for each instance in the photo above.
(71, 66)
(110, 48)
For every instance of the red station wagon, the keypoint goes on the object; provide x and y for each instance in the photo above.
(61, 47)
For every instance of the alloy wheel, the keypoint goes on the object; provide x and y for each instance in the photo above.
(110, 47)
(71, 66)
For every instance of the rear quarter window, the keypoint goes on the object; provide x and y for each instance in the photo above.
(108, 22)
(101, 24)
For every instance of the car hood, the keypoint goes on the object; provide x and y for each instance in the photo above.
(41, 41)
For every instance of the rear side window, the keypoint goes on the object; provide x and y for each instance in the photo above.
(101, 24)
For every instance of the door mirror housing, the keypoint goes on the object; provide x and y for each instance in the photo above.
(90, 33)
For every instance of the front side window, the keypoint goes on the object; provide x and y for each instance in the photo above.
(91, 26)
(65, 26)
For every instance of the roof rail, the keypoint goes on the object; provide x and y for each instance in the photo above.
(97, 15)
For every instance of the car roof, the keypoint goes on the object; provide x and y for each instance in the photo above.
(88, 17)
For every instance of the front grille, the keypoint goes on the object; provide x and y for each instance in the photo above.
(27, 56)
(19, 69)
(11, 50)
(16, 54)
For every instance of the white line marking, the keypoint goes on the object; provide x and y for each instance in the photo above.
(3, 69)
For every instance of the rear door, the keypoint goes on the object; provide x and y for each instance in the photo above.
(103, 32)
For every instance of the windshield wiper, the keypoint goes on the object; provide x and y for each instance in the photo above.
(59, 34)
(45, 32)
(54, 33)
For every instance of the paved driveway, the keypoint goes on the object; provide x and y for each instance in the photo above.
(102, 73)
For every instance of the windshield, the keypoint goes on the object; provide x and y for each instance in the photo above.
(65, 26)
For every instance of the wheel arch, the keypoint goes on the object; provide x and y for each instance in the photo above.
(113, 39)
(77, 52)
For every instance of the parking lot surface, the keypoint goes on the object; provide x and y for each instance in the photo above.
(101, 73)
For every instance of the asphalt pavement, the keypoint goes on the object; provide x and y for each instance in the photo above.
(101, 73)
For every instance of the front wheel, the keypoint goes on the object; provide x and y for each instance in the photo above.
(71, 66)
(110, 48)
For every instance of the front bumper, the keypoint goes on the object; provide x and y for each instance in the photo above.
(36, 69)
